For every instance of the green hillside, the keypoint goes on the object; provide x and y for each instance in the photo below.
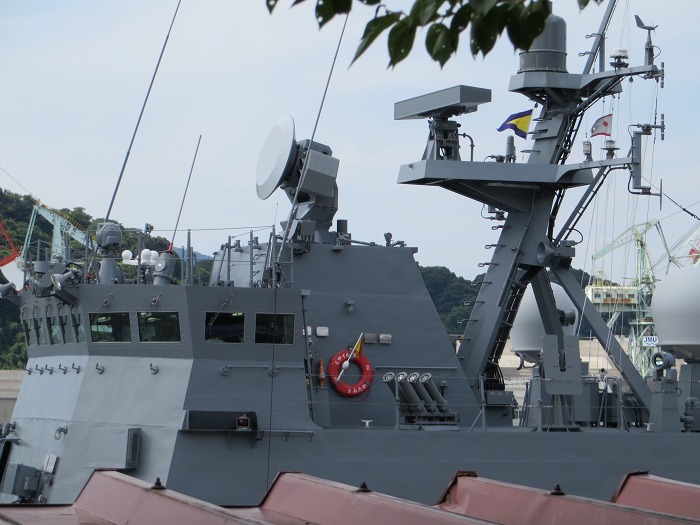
(15, 214)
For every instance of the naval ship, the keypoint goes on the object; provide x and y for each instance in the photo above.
(313, 351)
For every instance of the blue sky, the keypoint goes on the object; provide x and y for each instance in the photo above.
(74, 75)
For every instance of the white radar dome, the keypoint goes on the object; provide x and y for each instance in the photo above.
(676, 311)
(526, 334)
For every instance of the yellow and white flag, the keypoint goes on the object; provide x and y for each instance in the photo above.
(357, 350)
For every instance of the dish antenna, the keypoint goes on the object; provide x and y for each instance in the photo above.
(277, 158)
(301, 168)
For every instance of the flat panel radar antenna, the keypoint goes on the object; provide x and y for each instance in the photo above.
(277, 158)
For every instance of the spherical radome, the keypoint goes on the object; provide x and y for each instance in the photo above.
(675, 308)
(526, 334)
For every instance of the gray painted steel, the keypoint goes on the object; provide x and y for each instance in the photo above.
(215, 389)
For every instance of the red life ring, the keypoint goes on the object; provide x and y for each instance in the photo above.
(335, 366)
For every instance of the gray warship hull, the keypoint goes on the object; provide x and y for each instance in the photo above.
(168, 410)
(316, 352)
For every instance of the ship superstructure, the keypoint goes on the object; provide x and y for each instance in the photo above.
(314, 351)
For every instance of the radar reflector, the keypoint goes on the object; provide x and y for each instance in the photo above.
(276, 158)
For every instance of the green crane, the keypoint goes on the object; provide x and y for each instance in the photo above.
(642, 336)
(63, 230)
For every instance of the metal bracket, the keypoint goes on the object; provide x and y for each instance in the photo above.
(60, 431)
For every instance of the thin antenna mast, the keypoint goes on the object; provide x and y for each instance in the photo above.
(182, 204)
(599, 42)
(128, 152)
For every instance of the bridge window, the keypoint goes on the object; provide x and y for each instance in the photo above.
(78, 326)
(110, 328)
(30, 332)
(224, 327)
(67, 328)
(159, 326)
(40, 327)
(274, 329)
(55, 333)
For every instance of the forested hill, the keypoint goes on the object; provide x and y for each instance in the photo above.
(15, 214)
(453, 296)
(16, 211)
(450, 293)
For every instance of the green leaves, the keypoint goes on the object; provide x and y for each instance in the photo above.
(440, 43)
(461, 19)
(327, 9)
(373, 29)
(518, 28)
(536, 18)
(486, 28)
(424, 11)
(446, 21)
(584, 3)
(525, 23)
(401, 39)
(482, 7)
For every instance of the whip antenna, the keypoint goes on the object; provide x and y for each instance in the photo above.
(126, 158)
(182, 204)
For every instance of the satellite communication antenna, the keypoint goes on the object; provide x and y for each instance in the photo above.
(277, 158)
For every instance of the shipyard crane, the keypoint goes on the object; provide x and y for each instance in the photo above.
(10, 255)
(63, 229)
(14, 253)
(687, 257)
(642, 327)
